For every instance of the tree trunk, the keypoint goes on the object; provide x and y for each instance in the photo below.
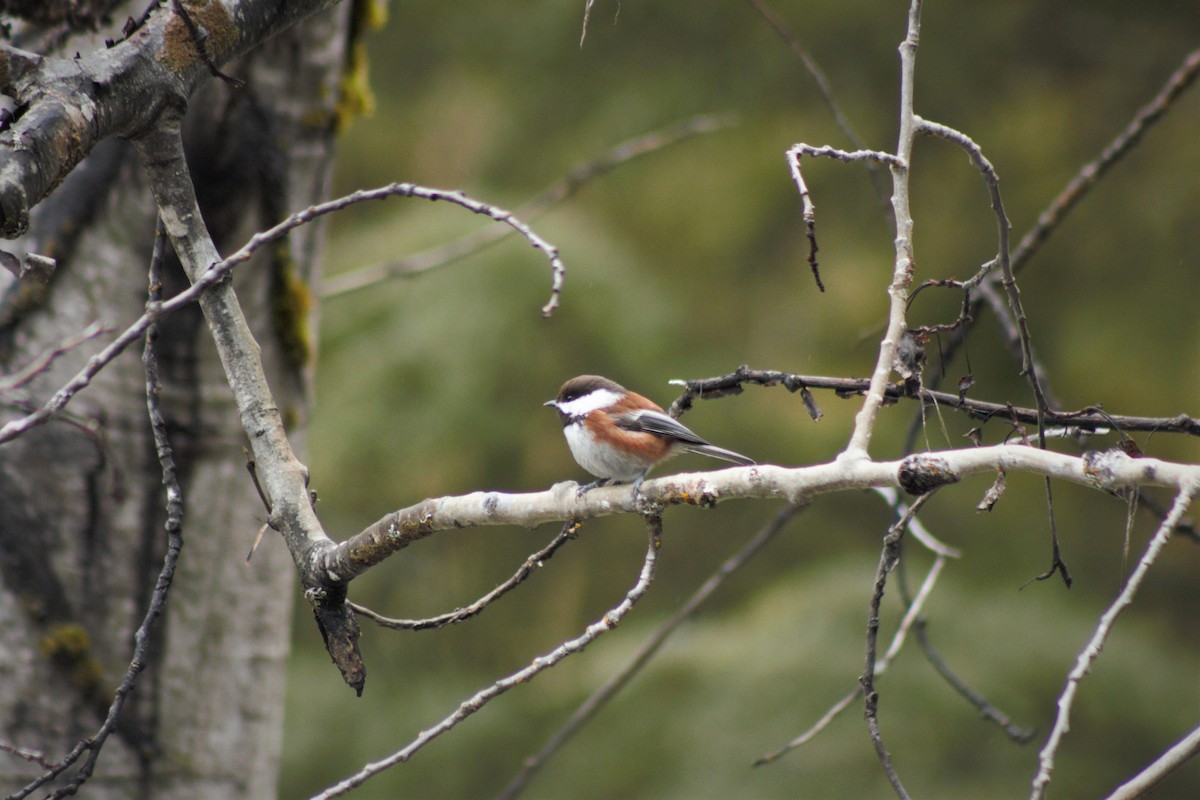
(81, 498)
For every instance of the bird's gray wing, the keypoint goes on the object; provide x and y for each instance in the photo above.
(658, 423)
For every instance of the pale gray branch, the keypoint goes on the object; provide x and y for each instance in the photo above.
(1110, 470)
(1091, 651)
(1183, 750)
(279, 472)
(902, 269)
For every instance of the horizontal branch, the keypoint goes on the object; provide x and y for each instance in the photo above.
(1109, 470)
(1091, 418)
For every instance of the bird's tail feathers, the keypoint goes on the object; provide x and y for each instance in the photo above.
(719, 452)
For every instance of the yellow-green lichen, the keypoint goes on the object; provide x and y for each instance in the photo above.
(291, 306)
(355, 98)
(370, 15)
(70, 647)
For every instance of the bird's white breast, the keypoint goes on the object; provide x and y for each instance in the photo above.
(600, 460)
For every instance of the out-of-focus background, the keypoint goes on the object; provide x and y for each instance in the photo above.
(686, 263)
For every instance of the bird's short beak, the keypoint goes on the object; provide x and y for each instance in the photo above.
(551, 403)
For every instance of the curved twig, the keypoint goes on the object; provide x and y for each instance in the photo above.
(539, 664)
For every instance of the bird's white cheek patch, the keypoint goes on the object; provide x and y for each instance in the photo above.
(580, 406)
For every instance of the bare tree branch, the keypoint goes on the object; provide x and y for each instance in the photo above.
(539, 664)
(1091, 651)
(799, 151)
(1110, 470)
(911, 621)
(283, 477)
(570, 530)
(986, 710)
(1092, 419)
(1089, 175)
(578, 176)
(823, 86)
(218, 270)
(70, 105)
(902, 273)
(1185, 749)
(93, 744)
(1009, 281)
(619, 680)
(888, 559)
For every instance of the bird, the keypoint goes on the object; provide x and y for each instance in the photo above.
(618, 435)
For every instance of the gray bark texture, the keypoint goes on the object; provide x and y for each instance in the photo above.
(81, 497)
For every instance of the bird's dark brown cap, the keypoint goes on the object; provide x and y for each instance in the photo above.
(585, 384)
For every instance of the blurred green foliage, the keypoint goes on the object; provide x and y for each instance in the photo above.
(686, 263)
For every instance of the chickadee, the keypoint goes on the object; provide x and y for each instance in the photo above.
(618, 435)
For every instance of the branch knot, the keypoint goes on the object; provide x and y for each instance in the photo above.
(920, 474)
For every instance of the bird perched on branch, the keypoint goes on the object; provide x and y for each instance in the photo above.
(618, 435)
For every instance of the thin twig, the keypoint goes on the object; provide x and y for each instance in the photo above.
(820, 725)
(43, 361)
(1085, 180)
(1003, 257)
(133, 25)
(922, 534)
(578, 176)
(646, 652)
(1009, 281)
(824, 87)
(219, 269)
(1137, 786)
(912, 616)
(539, 664)
(1089, 175)
(570, 530)
(1091, 419)
(173, 526)
(458, 198)
(587, 15)
(1091, 651)
(912, 620)
(798, 151)
(980, 703)
(1186, 526)
(987, 293)
(888, 558)
(32, 756)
